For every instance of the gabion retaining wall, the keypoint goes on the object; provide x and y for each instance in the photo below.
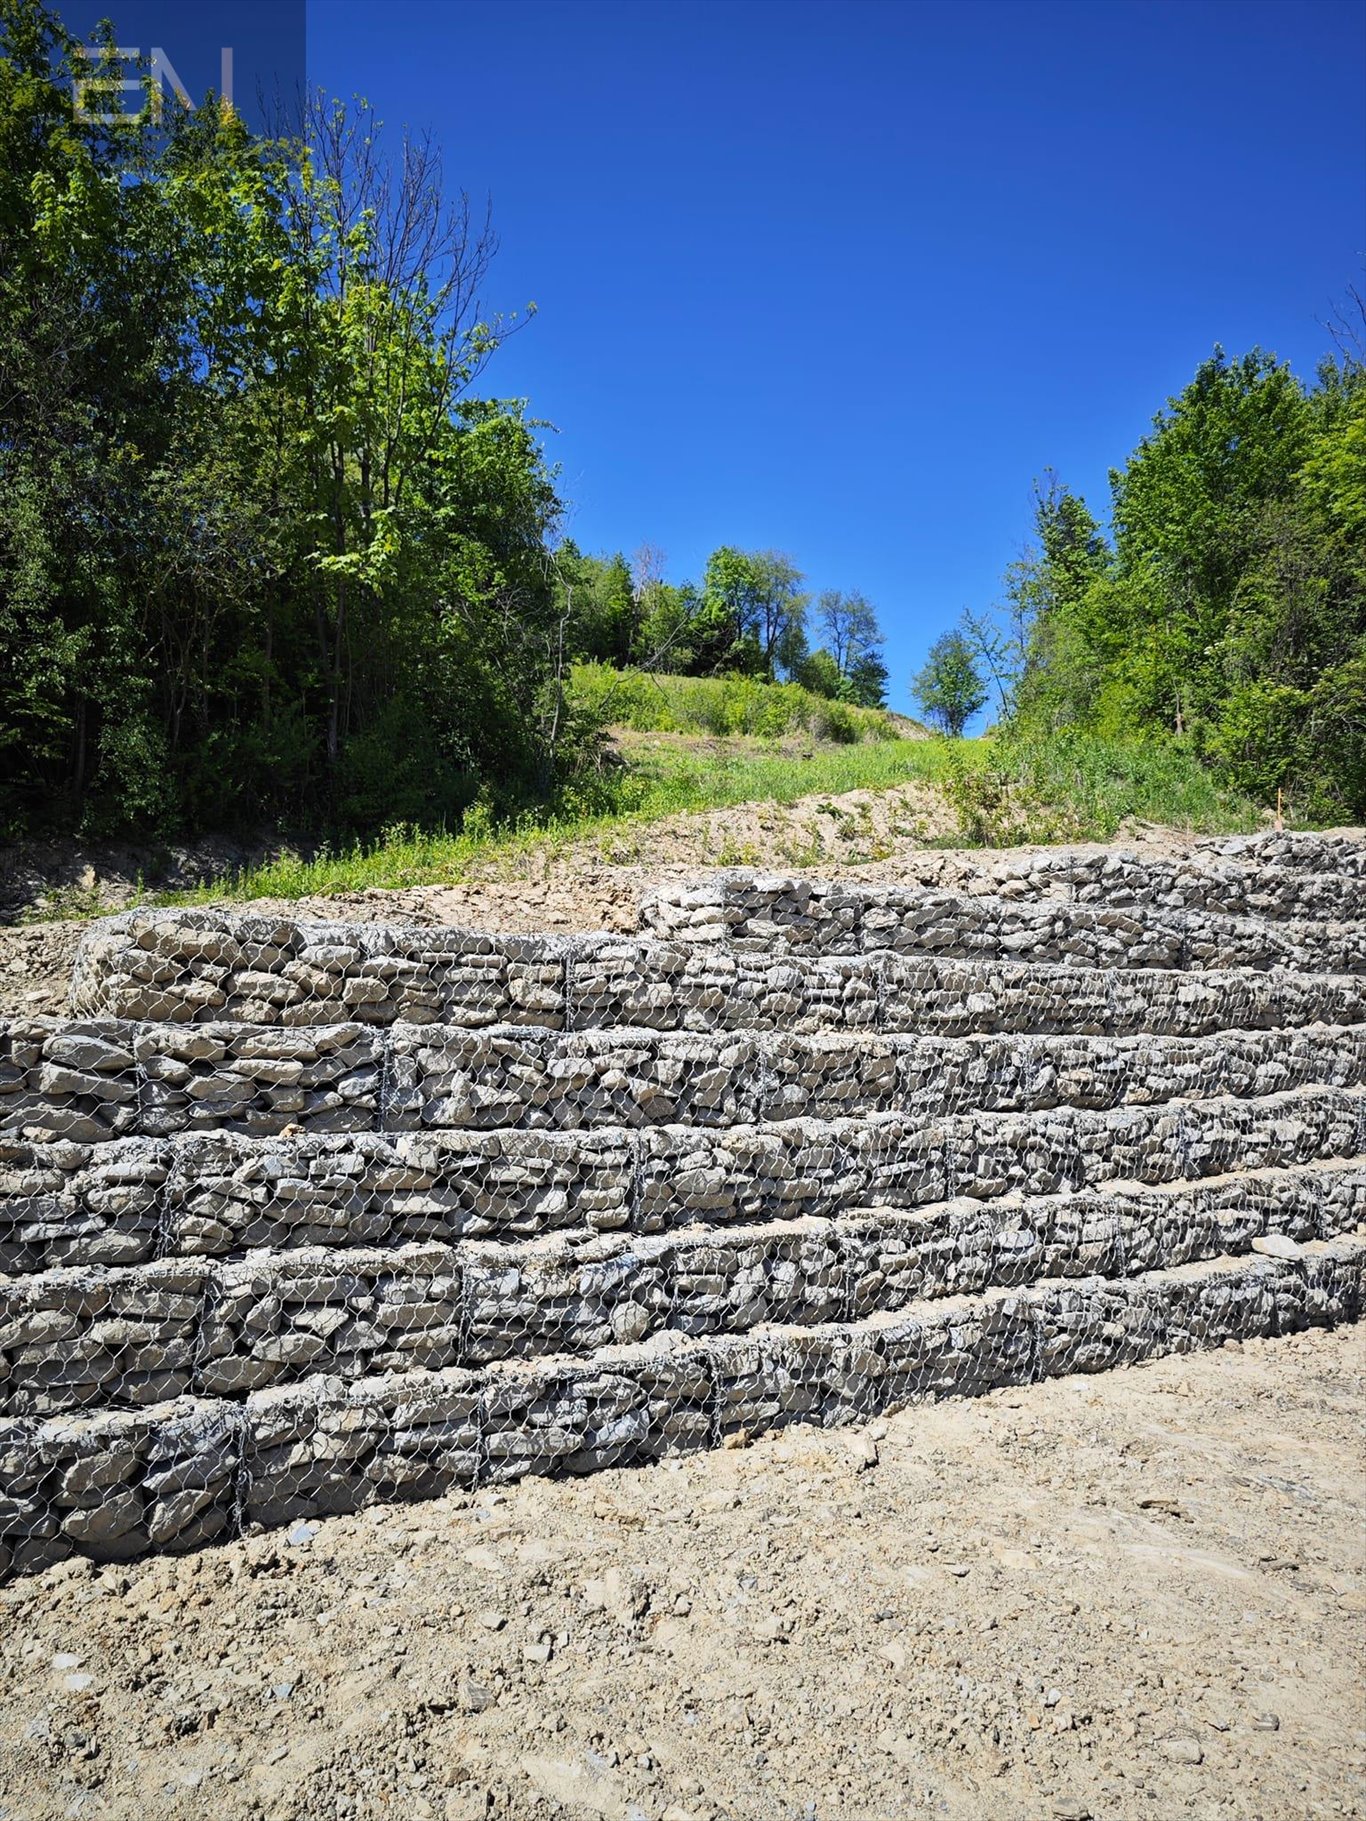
(296, 1214)
(180, 1474)
(1319, 878)
(126, 1337)
(214, 1194)
(759, 910)
(107, 1079)
(860, 972)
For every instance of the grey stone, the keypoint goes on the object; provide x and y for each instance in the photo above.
(113, 1517)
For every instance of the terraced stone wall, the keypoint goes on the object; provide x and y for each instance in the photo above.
(102, 1080)
(117, 1483)
(863, 966)
(128, 1337)
(294, 1215)
(213, 1194)
(759, 912)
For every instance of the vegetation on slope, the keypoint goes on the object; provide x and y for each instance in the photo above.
(268, 555)
(1227, 610)
(1003, 792)
(749, 616)
(724, 706)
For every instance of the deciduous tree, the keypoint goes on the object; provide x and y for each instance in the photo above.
(949, 688)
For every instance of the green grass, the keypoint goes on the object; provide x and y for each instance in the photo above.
(1079, 787)
(725, 707)
(1005, 793)
(668, 780)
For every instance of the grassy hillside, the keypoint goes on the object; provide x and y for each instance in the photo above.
(669, 776)
(1010, 792)
(1001, 794)
(727, 706)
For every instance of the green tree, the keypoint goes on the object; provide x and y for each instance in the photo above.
(726, 632)
(865, 681)
(1049, 651)
(671, 618)
(850, 627)
(779, 605)
(819, 673)
(262, 549)
(1232, 609)
(1186, 507)
(597, 599)
(949, 688)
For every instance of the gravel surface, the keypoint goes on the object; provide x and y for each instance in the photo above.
(1138, 1595)
(35, 968)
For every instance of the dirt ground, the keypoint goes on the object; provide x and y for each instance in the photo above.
(1138, 1595)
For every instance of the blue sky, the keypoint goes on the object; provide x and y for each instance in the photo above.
(841, 279)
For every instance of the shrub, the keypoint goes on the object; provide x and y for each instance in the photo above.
(725, 707)
(835, 721)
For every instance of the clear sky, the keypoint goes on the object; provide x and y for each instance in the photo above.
(841, 279)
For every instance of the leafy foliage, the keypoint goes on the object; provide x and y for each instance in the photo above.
(724, 707)
(1010, 788)
(748, 617)
(1230, 610)
(949, 688)
(263, 552)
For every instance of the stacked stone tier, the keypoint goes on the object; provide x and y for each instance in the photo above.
(114, 1484)
(738, 956)
(99, 1080)
(128, 1336)
(297, 1214)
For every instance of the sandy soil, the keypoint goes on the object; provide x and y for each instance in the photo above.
(1139, 1595)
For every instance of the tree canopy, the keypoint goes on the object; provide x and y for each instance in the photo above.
(949, 687)
(1228, 609)
(748, 616)
(263, 549)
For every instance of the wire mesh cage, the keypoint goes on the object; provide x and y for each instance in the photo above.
(295, 1215)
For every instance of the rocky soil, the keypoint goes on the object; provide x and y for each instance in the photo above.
(1139, 1595)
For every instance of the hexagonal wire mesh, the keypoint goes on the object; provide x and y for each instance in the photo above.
(295, 1216)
